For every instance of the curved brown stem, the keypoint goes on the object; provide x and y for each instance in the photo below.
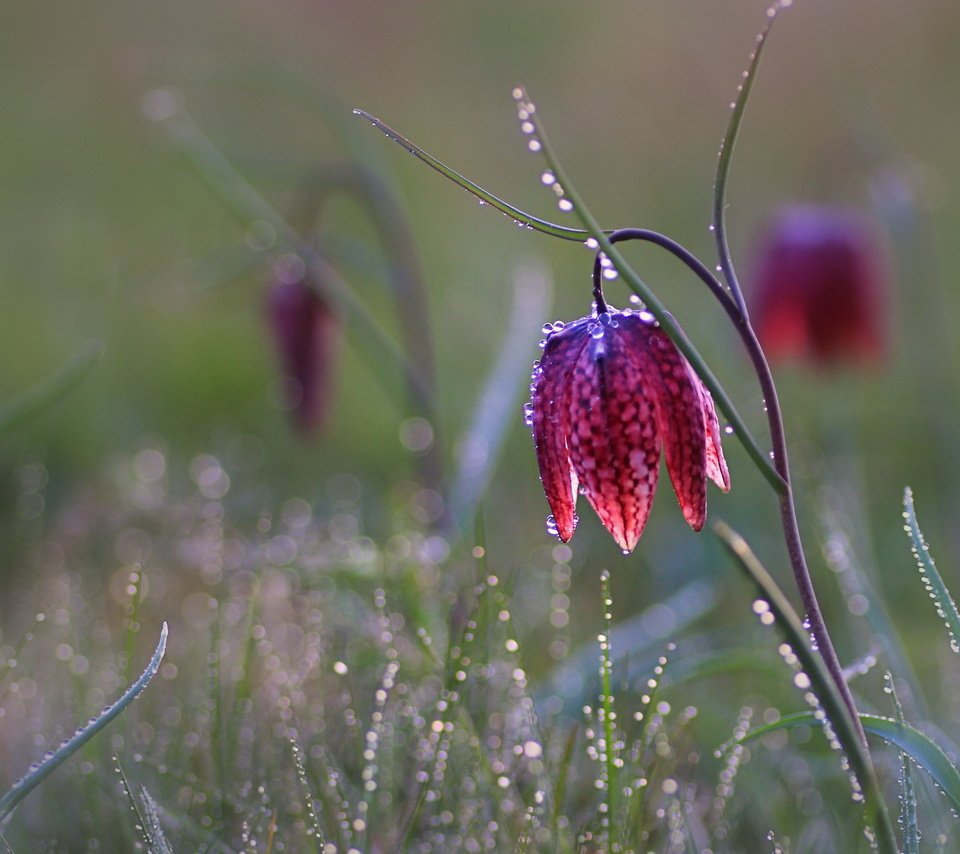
(788, 508)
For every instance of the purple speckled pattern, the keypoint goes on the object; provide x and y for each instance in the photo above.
(610, 392)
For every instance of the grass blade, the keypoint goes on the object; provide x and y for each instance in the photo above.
(726, 156)
(41, 770)
(147, 814)
(908, 796)
(946, 607)
(51, 388)
(908, 739)
(498, 403)
(157, 842)
(536, 223)
(815, 669)
(611, 761)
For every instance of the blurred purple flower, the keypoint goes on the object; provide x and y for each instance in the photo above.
(819, 291)
(306, 335)
(609, 392)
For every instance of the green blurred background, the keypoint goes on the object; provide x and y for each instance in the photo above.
(107, 233)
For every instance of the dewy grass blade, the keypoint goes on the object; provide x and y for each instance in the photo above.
(916, 744)
(536, 223)
(908, 795)
(139, 818)
(822, 684)
(41, 770)
(52, 388)
(946, 607)
(726, 157)
(157, 842)
(610, 751)
(669, 325)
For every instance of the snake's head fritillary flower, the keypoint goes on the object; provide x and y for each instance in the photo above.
(610, 391)
(306, 334)
(819, 292)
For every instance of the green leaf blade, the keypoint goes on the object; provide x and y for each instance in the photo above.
(51, 389)
(946, 607)
(916, 744)
(41, 770)
(534, 222)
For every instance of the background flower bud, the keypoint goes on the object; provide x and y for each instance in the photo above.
(306, 335)
(819, 291)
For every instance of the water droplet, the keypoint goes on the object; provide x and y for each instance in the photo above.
(565, 205)
(534, 145)
(591, 243)
(528, 414)
(728, 429)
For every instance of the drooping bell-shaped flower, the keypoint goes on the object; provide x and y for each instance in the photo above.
(819, 291)
(610, 391)
(306, 335)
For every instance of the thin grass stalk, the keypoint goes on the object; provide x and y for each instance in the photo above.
(609, 716)
(908, 796)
